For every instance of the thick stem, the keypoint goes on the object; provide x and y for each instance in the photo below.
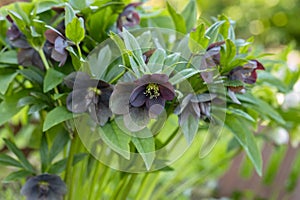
(43, 57)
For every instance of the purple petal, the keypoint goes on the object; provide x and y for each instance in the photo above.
(153, 78)
(137, 97)
(61, 58)
(167, 91)
(156, 101)
(78, 101)
(60, 45)
(119, 100)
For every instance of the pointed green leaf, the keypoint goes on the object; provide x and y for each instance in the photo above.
(75, 30)
(56, 116)
(198, 41)
(9, 57)
(18, 175)
(24, 162)
(9, 161)
(5, 80)
(246, 139)
(146, 148)
(189, 14)
(190, 128)
(116, 139)
(52, 79)
(177, 18)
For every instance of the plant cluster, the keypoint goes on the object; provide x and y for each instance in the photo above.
(110, 73)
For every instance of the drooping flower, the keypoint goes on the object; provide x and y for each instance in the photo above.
(245, 74)
(142, 99)
(27, 56)
(191, 110)
(57, 45)
(199, 106)
(44, 186)
(210, 59)
(129, 17)
(89, 95)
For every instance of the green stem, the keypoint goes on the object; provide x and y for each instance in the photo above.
(79, 51)
(69, 168)
(127, 188)
(43, 57)
(119, 188)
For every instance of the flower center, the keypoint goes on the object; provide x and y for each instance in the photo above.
(152, 90)
(95, 90)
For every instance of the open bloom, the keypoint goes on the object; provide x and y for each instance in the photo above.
(144, 98)
(89, 95)
(44, 186)
(129, 17)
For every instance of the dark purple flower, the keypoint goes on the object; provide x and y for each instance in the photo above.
(27, 56)
(143, 98)
(210, 59)
(199, 106)
(129, 17)
(44, 186)
(246, 73)
(89, 95)
(57, 46)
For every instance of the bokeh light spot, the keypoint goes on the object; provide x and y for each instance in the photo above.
(280, 19)
(256, 27)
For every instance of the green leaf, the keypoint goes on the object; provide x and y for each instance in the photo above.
(27, 101)
(263, 107)
(60, 141)
(246, 139)
(5, 80)
(189, 14)
(177, 18)
(266, 77)
(240, 113)
(190, 128)
(146, 148)
(75, 30)
(18, 175)
(56, 116)
(136, 60)
(24, 162)
(227, 54)
(9, 57)
(59, 166)
(79, 4)
(46, 5)
(99, 62)
(33, 75)
(44, 152)
(116, 139)
(182, 75)
(213, 31)
(52, 79)
(69, 14)
(156, 60)
(9, 161)
(198, 41)
(37, 107)
(9, 108)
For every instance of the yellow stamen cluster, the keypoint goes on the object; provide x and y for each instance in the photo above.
(152, 90)
(95, 90)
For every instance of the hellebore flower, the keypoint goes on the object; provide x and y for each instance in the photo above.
(89, 95)
(245, 74)
(27, 56)
(44, 187)
(129, 17)
(57, 46)
(191, 110)
(199, 106)
(210, 59)
(144, 98)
